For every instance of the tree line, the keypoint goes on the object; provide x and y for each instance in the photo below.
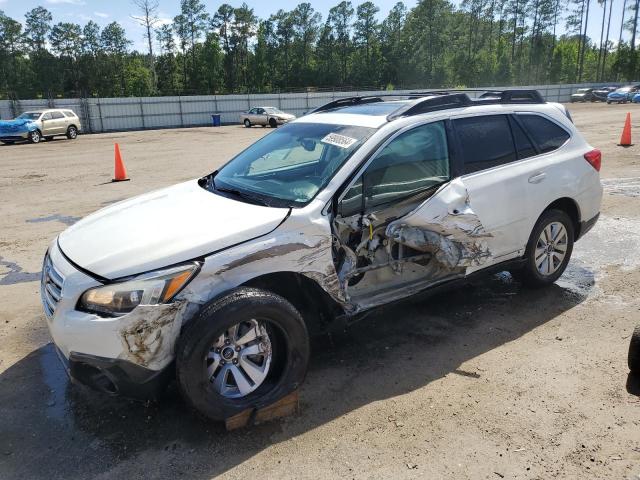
(231, 50)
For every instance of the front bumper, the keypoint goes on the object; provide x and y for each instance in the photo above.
(14, 136)
(114, 376)
(128, 355)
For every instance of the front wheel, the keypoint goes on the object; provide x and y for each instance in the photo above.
(548, 250)
(72, 133)
(247, 123)
(35, 136)
(244, 351)
(634, 351)
(273, 123)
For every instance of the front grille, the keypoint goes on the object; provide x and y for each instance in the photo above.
(50, 287)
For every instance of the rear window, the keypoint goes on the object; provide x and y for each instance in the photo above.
(547, 135)
(486, 142)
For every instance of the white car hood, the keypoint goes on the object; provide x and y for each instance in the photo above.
(163, 228)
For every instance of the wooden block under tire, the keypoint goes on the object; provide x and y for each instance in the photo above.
(282, 408)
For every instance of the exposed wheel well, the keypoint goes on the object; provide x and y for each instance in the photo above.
(314, 304)
(570, 207)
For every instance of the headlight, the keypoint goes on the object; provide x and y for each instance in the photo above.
(151, 288)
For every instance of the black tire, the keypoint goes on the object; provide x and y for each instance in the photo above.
(247, 123)
(608, 102)
(634, 351)
(529, 274)
(290, 351)
(72, 132)
(35, 136)
(273, 123)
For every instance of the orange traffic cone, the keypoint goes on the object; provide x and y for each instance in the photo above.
(121, 172)
(625, 139)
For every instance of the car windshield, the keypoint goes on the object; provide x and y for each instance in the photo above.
(624, 90)
(30, 115)
(272, 110)
(290, 165)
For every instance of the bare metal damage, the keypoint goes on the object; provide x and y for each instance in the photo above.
(149, 332)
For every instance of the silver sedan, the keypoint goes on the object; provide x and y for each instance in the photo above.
(265, 116)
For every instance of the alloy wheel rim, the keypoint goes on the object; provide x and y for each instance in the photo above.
(238, 362)
(551, 248)
(72, 132)
(35, 136)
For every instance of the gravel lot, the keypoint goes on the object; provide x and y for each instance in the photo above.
(492, 381)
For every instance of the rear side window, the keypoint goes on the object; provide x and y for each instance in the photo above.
(523, 145)
(546, 134)
(56, 115)
(486, 141)
(69, 113)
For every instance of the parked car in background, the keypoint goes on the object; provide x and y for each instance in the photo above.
(623, 94)
(364, 201)
(582, 95)
(265, 116)
(600, 94)
(38, 124)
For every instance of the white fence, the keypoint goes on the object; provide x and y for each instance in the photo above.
(135, 113)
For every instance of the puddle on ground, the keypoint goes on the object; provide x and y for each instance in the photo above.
(15, 274)
(66, 219)
(629, 186)
(613, 241)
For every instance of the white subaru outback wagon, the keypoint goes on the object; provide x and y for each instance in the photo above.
(219, 282)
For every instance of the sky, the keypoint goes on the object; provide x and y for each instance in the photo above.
(104, 12)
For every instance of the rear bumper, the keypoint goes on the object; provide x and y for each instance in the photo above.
(115, 376)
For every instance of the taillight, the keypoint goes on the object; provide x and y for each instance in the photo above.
(594, 157)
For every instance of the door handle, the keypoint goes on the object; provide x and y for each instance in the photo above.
(538, 177)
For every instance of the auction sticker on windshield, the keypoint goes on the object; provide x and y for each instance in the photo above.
(339, 140)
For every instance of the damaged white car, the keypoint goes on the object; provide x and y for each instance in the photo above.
(220, 281)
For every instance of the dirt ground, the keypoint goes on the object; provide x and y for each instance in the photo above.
(492, 381)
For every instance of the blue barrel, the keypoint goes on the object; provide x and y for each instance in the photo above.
(215, 119)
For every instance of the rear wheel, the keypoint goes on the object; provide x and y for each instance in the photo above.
(247, 123)
(72, 132)
(273, 123)
(35, 136)
(548, 250)
(634, 351)
(246, 350)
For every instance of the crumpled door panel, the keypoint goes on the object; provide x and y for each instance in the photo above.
(446, 226)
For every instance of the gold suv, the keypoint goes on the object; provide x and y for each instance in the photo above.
(38, 124)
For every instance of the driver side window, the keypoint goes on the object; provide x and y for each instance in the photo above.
(412, 162)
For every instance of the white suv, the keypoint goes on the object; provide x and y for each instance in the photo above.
(365, 201)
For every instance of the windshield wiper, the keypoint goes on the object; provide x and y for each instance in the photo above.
(242, 194)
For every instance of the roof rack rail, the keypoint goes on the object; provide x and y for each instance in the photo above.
(346, 102)
(364, 99)
(434, 100)
(432, 103)
(446, 99)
